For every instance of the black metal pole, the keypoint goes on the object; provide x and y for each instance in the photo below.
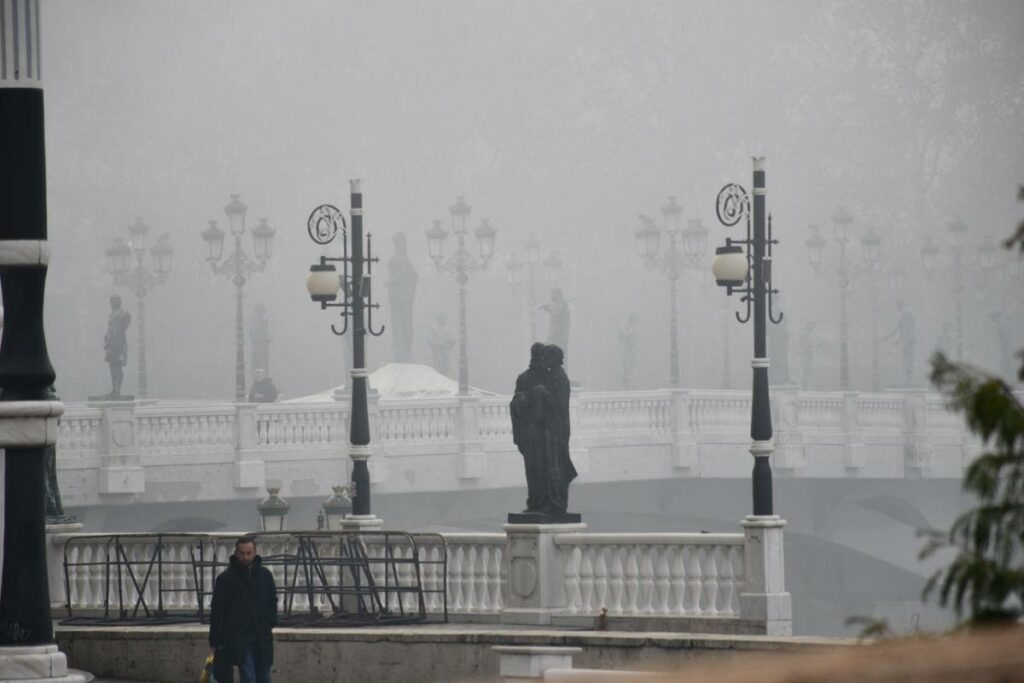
(760, 412)
(359, 437)
(673, 316)
(239, 282)
(25, 370)
(141, 389)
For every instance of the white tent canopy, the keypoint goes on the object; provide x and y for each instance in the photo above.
(399, 381)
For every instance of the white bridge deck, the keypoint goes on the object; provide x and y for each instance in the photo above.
(164, 451)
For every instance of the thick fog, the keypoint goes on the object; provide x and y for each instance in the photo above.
(563, 120)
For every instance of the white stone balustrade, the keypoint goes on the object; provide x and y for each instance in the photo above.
(652, 574)
(667, 575)
(164, 451)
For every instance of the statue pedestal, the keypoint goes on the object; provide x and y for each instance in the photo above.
(534, 590)
(544, 518)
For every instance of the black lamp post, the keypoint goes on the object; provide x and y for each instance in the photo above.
(514, 271)
(237, 267)
(958, 230)
(25, 370)
(685, 248)
(324, 284)
(871, 245)
(460, 265)
(126, 262)
(749, 273)
(871, 250)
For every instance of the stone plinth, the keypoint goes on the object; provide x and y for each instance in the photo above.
(518, 663)
(533, 593)
(764, 597)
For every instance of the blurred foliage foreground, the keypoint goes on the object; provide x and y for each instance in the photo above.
(985, 581)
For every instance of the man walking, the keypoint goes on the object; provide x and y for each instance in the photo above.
(243, 612)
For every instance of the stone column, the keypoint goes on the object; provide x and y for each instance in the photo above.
(120, 467)
(853, 442)
(472, 461)
(250, 470)
(789, 440)
(764, 598)
(917, 446)
(579, 453)
(684, 441)
(534, 590)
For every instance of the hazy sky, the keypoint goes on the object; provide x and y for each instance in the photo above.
(559, 119)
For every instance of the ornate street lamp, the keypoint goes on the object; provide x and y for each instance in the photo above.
(273, 511)
(337, 508)
(749, 274)
(871, 252)
(685, 249)
(526, 271)
(957, 230)
(126, 263)
(324, 285)
(237, 267)
(460, 265)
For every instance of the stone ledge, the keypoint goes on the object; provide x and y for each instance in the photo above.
(483, 634)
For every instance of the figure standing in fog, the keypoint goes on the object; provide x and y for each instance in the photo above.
(115, 344)
(402, 278)
(441, 344)
(904, 335)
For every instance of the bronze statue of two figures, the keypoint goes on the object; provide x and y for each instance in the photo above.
(540, 429)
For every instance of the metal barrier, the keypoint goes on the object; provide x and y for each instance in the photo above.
(323, 578)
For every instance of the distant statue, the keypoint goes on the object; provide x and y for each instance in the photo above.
(115, 344)
(259, 338)
(627, 350)
(51, 490)
(263, 389)
(401, 284)
(904, 335)
(441, 344)
(558, 330)
(540, 430)
(808, 342)
(778, 351)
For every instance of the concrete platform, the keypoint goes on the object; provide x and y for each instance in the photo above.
(442, 652)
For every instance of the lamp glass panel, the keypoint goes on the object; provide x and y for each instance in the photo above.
(235, 212)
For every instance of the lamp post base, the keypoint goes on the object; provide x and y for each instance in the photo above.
(361, 523)
(42, 663)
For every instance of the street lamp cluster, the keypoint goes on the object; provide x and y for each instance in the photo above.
(686, 249)
(871, 251)
(126, 263)
(460, 265)
(237, 267)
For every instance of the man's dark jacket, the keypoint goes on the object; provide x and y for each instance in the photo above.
(244, 609)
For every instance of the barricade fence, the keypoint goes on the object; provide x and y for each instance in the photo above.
(323, 578)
